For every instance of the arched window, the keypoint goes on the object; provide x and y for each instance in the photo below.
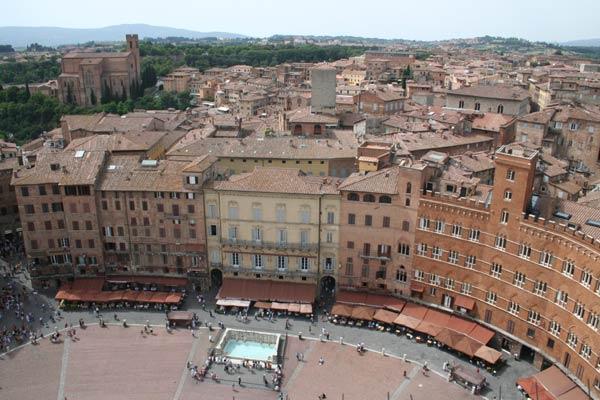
(477, 106)
(317, 130)
(353, 197)
(461, 104)
(401, 274)
(405, 226)
(297, 129)
(500, 109)
(369, 198)
(408, 187)
(385, 199)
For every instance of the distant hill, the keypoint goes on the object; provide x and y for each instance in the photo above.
(21, 36)
(583, 43)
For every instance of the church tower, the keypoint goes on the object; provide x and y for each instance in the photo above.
(134, 48)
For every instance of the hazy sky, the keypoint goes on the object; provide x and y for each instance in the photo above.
(549, 20)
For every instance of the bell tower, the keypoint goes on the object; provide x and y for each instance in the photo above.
(134, 48)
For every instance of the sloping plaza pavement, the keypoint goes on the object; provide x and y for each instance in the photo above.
(156, 363)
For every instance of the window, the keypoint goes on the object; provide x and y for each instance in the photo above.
(353, 197)
(561, 298)
(175, 210)
(568, 268)
(474, 235)
(513, 308)
(586, 351)
(477, 106)
(304, 263)
(160, 207)
(465, 288)
(235, 259)
(434, 279)
(424, 223)
(572, 340)
(586, 278)
(453, 257)
(232, 233)
(519, 279)
(24, 191)
(546, 259)
(211, 210)
(540, 288)
(386, 222)
(256, 234)
(233, 210)
(29, 209)
(554, 328)
(350, 244)
(368, 220)
(212, 231)
(282, 236)
(405, 226)
(191, 209)
(524, 251)
(510, 175)
(385, 199)
(470, 261)
(422, 249)
(593, 320)
(507, 195)
(456, 230)
(510, 326)
(107, 231)
(500, 242)
(257, 261)
(351, 219)
(496, 270)
(257, 212)
(500, 109)
(304, 236)
(449, 284)
(401, 274)
(578, 310)
(573, 126)
(461, 104)
(419, 275)
(330, 217)
(436, 253)
(491, 297)
(504, 217)
(369, 198)
(192, 180)
(282, 262)
(329, 237)
(439, 226)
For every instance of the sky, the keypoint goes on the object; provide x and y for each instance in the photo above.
(545, 20)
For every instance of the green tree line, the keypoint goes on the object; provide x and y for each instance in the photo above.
(24, 117)
(13, 72)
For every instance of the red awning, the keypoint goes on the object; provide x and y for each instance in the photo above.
(351, 297)
(363, 313)
(385, 316)
(258, 290)
(461, 325)
(342, 310)
(464, 302)
(468, 346)
(433, 322)
(411, 316)
(482, 334)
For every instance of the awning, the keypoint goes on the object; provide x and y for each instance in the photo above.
(385, 316)
(467, 346)
(233, 303)
(481, 334)
(342, 310)
(173, 298)
(534, 389)
(555, 383)
(488, 354)
(433, 322)
(468, 375)
(370, 299)
(306, 309)
(263, 304)
(258, 290)
(449, 337)
(411, 316)
(464, 302)
(461, 325)
(279, 306)
(416, 287)
(294, 307)
(180, 316)
(364, 313)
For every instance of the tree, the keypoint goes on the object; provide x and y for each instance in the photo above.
(27, 91)
(404, 84)
(106, 95)
(69, 99)
(148, 76)
(93, 99)
(407, 72)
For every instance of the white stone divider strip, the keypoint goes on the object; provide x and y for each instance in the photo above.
(63, 370)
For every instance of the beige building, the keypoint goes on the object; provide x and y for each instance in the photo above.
(180, 79)
(487, 98)
(273, 223)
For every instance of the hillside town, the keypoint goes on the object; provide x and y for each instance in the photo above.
(457, 193)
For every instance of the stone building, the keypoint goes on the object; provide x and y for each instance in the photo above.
(85, 76)
(273, 224)
(532, 279)
(486, 98)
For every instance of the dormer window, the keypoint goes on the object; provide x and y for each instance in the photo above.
(55, 167)
(192, 180)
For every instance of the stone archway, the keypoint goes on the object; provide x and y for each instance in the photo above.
(327, 287)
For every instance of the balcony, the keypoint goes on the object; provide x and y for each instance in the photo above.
(261, 244)
(272, 272)
(376, 256)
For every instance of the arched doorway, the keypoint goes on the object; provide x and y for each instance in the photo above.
(327, 287)
(216, 278)
(298, 129)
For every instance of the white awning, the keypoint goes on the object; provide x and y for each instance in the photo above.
(233, 303)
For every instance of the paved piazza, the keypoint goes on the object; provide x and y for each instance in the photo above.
(120, 363)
